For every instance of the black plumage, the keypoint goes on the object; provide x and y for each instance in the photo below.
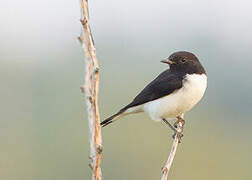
(161, 86)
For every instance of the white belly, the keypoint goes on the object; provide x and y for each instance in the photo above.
(179, 101)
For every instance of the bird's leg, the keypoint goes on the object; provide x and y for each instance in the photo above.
(170, 125)
(179, 134)
(174, 128)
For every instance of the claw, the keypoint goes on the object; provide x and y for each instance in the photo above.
(178, 121)
(179, 136)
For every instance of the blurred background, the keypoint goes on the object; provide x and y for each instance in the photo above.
(43, 125)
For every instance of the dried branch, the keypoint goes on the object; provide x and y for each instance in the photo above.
(91, 90)
(166, 168)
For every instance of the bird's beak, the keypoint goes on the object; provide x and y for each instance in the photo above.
(167, 61)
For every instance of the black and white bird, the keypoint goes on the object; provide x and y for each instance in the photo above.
(171, 94)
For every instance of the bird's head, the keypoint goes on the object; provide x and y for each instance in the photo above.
(183, 61)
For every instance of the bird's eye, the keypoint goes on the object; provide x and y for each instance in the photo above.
(183, 60)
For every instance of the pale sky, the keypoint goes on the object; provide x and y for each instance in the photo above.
(30, 26)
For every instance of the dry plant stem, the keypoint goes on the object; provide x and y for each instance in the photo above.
(166, 168)
(91, 91)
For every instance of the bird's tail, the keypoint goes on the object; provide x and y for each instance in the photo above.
(112, 118)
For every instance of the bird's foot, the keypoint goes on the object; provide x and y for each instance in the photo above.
(179, 136)
(180, 120)
(177, 132)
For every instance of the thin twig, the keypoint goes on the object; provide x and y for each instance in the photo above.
(166, 168)
(91, 91)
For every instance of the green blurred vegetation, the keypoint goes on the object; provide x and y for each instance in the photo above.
(44, 134)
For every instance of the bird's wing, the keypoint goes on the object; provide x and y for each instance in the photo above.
(163, 85)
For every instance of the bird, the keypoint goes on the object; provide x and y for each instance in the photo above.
(172, 93)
